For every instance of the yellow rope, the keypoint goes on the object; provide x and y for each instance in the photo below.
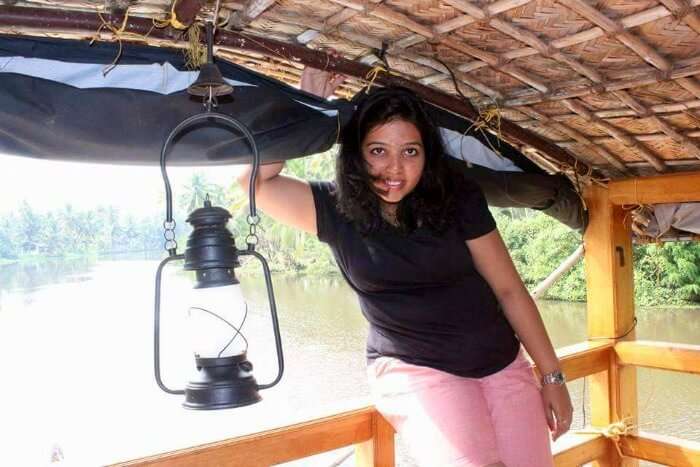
(488, 118)
(171, 20)
(614, 432)
(118, 33)
(372, 74)
(195, 53)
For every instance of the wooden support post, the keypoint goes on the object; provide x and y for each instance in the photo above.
(379, 450)
(610, 290)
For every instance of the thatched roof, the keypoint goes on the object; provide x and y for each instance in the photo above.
(609, 87)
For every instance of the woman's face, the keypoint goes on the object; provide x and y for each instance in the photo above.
(395, 155)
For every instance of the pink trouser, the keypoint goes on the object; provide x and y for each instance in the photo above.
(452, 421)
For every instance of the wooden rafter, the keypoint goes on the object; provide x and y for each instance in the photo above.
(649, 54)
(577, 89)
(618, 134)
(631, 21)
(578, 137)
(491, 60)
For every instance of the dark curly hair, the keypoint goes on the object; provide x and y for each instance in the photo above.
(430, 204)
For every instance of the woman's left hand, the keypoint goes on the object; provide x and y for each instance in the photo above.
(557, 408)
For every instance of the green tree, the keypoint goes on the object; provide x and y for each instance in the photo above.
(196, 190)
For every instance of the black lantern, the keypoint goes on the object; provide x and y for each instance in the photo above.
(223, 375)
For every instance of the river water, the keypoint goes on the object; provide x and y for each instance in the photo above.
(78, 388)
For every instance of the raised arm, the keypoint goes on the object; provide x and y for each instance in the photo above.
(287, 199)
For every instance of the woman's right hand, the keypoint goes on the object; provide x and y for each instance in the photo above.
(321, 82)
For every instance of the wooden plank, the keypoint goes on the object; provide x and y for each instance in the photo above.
(279, 445)
(378, 451)
(669, 188)
(577, 449)
(661, 449)
(660, 355)
(610, 292)
(584, 359)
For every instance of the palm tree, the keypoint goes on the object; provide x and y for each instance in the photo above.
(196, 191)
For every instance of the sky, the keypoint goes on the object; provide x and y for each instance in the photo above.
(48, 185)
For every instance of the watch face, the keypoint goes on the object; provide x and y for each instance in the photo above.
(554, 378)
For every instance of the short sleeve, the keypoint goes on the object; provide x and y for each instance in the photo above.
(327, 216)
(474, 217)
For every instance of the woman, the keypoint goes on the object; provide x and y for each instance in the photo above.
(435, 281)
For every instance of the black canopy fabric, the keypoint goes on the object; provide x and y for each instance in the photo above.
(57, 103)
(46, 118)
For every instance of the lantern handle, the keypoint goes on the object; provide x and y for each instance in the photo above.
(156, 327)
(231, 122)
(273, 313)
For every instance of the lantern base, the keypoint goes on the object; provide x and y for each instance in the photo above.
(222, 383)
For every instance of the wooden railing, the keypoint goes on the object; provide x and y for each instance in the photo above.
(373, 437)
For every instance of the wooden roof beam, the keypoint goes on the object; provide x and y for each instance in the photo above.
(662, 125)
(668, 188)
(492, 10)
(649, 54)
(372, 43)
(609, 139)
(394, 17)
(526, 37)
(579, 137)
(578, 90)
(616, 133)
(616, 30)
(630, 21)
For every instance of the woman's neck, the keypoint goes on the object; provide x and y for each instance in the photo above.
(389, 211)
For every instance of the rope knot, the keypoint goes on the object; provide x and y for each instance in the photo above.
(372, 74)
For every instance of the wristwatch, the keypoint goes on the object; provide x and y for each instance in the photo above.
(555, 377)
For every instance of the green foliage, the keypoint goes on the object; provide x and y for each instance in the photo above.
(538, 244)
(289, 250)
(664, 274)
(68, 231)
(667, 273)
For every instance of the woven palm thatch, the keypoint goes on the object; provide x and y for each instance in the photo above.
(611, 84)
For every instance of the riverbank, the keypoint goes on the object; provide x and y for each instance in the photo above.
(560, 292)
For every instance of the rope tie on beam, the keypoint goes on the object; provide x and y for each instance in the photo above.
(372, 75)
(118, 33)
(171, 20)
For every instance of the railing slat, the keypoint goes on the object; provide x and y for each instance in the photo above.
(662, 449)
(584, 358)
(275, 446)
(660, 355)
(578, 449)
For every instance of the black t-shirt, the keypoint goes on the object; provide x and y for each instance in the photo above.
(425, 302)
